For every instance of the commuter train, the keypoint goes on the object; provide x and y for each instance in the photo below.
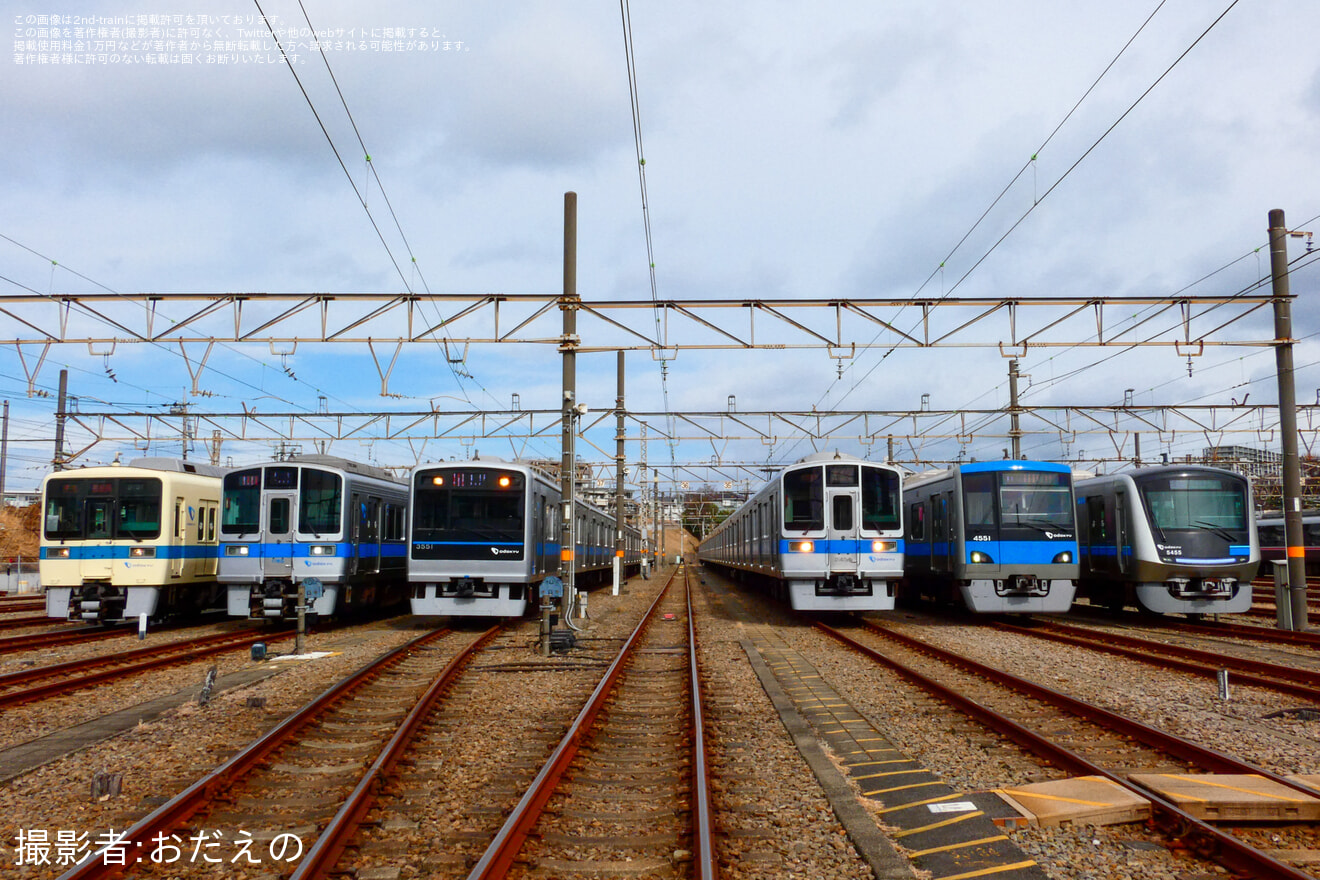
(318, 517)
(486, 534)
(1174, 538)
(1269, 530)
(826, 534)
(998, 536)
(119, 541)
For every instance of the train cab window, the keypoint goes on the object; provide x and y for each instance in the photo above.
(979, 501)
(804, 500)
(277, 522)
(841, 475)
(842, 513)
(881, 499)
(242, 502)
(319, 497)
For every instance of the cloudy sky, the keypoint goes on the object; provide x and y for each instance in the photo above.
(843, 150)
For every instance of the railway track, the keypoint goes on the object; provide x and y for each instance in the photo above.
(75, 675)
(296, 774)
(1098, 742)
(20, 622)
(1288, 679)
(627, 788)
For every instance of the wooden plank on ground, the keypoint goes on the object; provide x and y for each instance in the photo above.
(1231, 797)
(1092, 800)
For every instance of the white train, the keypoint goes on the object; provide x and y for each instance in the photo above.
(318, 517)
(826, 534)
(485, 534)
(120, 541)
(1176, 538)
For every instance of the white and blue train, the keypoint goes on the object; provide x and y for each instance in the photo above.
(996, 536)
(318, 517)
(486, 534)
(121, 541)
(1175, 538)
(826, 534)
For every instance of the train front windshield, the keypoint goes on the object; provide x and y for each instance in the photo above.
(1197, 502)
(467, 507)
(804, 497)
(89, 509)
(1018, 505)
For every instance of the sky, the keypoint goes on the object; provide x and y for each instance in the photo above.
(880, 150)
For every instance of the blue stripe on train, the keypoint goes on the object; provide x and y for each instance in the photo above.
(850, 545)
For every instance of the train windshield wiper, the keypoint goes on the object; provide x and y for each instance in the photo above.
(1048, 525)
(1217, 529)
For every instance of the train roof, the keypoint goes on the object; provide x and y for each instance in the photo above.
(1159, 470)
(334, 461)
(167, 465)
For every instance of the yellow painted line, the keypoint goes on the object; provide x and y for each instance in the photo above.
(1206, 782)
(953, 846)
(947, 797)
(988, 871)
(891, 773)
(1054, 797)
(877, 763)
(961, 817)
(905, 788)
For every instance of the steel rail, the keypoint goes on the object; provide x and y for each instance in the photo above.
(1203, 838)
(17, 622)
(179, 808)
(1303, 683)
(195, 650)
(41, 640)
(499, 855)
(704, 862)
(322, 856)
(1221, 629)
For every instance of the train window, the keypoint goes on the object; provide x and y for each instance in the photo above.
(139, 509)
(1195, 501)
(242, 502)
(278, 520)
(841, 475)
(1310, 534)
(98, 519)
(917, 521)
(394, 522)
(319, 500)
(1271, 536)
(804, 501)
(979, 501)
(210, 522)
(881, 499)
(842, 513)
(1097, 521)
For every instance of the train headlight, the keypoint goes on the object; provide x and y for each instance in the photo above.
(1065, 556)
(142, 552)
(437, 481)
(236, 550)
(981, 558)
(58, 553)
(322, 550)
(884, 546)
(803, 547)
(505, 481)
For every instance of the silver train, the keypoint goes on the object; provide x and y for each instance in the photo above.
(826, 534)
(1177, 538)
(485, 534)
(121, 541)
(996, 536)
(313, 517)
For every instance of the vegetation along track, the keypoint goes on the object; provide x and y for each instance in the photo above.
(1105, 741)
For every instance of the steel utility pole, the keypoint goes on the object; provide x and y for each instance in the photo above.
(568, 345)
(1292, 467)
(620, 433)
(58, 462)
(1014, 430)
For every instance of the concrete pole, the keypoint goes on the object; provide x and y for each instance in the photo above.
(4, 452)
(1014, 431)
(58, 461)
(618, 481)
(1292, 468)
(568, 345)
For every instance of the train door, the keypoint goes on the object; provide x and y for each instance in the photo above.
(939, 532)
(841, 532)
(1121, 531)
(210, 559)
(180, 537)
(277, 552)
(368, 535)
